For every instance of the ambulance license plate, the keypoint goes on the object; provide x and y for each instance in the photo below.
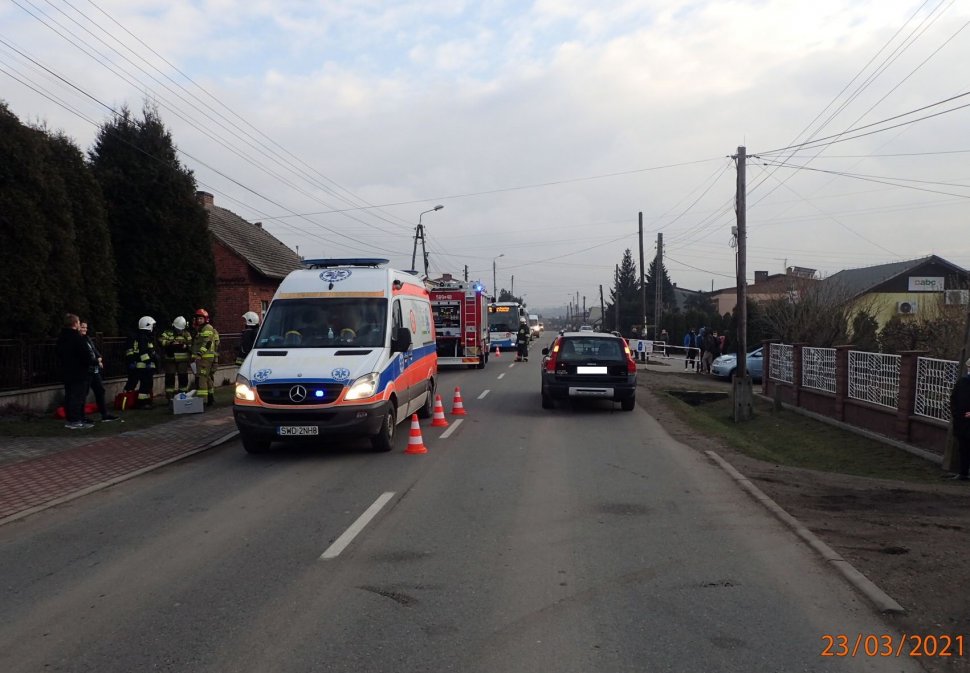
(298, 430)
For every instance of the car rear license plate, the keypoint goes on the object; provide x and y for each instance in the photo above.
(298, 430)
(591, 370)
(579, 391)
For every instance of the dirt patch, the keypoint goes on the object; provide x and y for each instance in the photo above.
(911, 539)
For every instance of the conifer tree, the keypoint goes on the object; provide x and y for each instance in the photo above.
(159, 231)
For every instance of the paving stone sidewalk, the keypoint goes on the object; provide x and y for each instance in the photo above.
(36, 472)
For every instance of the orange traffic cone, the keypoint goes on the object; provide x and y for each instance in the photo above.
(415, 443)
(457, 408)
(438, 420)
(498, 352)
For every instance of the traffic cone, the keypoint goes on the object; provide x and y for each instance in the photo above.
(457, 408)
(415, 443)
(438, 420)
(498, 351)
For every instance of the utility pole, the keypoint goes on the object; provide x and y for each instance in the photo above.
(742, 382)
(512, 288)
(616, 305)
(419, 235)
(584, 309)
(643, 284)
(658, 286)
(602, 311)
(466, 272)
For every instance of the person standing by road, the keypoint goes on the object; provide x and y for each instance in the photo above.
(176, 343)
(205, 350)
(140, 358)
(76, 362)
(248, 336)
(960, 413)
(522, 338)
(690, 343)
(97, 382)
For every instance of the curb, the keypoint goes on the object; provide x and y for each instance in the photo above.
(879, 598)
(117, 480)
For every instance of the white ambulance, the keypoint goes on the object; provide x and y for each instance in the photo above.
(347, 348)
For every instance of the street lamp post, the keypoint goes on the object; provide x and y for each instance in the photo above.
(494, 281)
(419, 233)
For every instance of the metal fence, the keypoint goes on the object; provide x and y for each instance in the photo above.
(33, 364)
(782, 363)
(874, 378)
(934, 381)
(818, 369)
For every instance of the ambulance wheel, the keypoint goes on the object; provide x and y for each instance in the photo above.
(427, 409)
(253, 445)
(384, 440)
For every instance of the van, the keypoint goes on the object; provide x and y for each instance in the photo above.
(347, 348)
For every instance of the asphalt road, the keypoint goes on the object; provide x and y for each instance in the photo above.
(578, 539)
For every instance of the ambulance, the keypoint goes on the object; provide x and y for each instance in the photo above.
(460, 311)
(347, 348)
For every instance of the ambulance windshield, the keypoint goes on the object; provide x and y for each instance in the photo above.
(321, 323)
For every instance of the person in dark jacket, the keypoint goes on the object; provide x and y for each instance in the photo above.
(76, 361)
(522, 341)
(140, 358)
(97, 382)
(960, 412)
(248, 336)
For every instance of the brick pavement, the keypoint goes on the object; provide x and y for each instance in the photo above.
(55, 470)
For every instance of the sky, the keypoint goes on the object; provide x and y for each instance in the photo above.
(543, 128)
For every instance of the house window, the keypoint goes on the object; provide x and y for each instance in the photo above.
(263, 306)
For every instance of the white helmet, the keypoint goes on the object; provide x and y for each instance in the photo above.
(251, 318)
(179, 323)
(146, 322)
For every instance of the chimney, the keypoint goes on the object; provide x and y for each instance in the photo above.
(205, 199)
(760, 276)
(258, 224)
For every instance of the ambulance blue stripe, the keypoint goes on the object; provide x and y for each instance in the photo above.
(394, 369)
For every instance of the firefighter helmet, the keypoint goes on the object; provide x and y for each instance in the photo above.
(202, 313)
(179, 323)
(251, 318)
(146, 322)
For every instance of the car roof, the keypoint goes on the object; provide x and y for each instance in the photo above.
(586, 335)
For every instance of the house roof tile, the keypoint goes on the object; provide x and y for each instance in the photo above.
(260, 249)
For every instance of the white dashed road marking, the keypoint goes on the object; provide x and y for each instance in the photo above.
(454, 426)
(484, 393)
(502, 375)
(341, 542)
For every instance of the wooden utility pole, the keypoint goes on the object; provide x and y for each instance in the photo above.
(602, 311)
(466, 272)
(742, 382)
(616, 304)
(643, 285)
(658, 286)
(512, 288)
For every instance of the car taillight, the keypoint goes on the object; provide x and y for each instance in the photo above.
(631, 364)
(551, 362)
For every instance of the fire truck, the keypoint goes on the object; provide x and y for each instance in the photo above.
(460, 311)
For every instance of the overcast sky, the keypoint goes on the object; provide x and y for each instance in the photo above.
(543, 128)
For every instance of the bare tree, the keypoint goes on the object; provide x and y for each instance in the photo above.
(816, 312)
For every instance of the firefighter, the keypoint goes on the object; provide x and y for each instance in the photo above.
(176, 343)
(523, 336)
(140, 360)
(248, 336)
(205, 350)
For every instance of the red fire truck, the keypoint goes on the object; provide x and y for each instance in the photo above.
(461, 322)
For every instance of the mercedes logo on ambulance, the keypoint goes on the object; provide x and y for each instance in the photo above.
(297, 394)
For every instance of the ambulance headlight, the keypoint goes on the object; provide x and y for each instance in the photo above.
(363, 387)
(243, 389)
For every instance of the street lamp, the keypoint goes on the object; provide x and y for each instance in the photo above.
(494, 282)
(419, 233)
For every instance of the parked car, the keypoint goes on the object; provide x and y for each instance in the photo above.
(589, 365)
(724, 366)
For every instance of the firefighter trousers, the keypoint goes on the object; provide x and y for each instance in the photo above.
(175, 370)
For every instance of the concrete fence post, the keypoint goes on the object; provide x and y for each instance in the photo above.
(841, 379)
(906, 400)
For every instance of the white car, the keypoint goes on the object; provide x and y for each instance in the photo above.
(585, 328)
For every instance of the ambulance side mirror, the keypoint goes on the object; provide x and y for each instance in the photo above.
(401, 340)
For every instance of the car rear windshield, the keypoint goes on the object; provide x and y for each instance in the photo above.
(590, 348)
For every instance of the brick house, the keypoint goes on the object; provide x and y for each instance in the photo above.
(250, 263)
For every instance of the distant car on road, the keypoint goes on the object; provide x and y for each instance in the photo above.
(589, 365)
(585, 328)
(724, 366)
